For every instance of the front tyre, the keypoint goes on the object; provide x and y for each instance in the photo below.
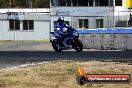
(56, 45)
(78, 45)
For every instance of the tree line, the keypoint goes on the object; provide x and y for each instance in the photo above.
(24, 3)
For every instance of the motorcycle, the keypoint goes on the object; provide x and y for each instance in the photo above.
(70, 39)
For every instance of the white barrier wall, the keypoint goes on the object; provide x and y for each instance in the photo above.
(87, 41)
(119, 41)
(129, 41)
(109, 40)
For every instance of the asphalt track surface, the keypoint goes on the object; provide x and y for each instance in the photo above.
(17, 53)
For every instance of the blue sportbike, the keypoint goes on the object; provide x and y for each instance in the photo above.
(67, 39)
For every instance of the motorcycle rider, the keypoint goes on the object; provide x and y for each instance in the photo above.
(65, 37)
(59, 29)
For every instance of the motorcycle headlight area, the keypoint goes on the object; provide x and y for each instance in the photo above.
(56, 34)
(64, 29)
(58, 29)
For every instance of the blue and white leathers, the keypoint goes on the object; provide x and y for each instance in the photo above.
(59, 29)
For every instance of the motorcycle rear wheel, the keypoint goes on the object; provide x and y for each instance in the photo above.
(78, 45)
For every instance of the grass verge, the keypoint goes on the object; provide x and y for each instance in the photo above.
(61, 75)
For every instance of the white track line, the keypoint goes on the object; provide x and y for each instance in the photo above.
(25, 65)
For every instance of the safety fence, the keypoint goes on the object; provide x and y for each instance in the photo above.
(107, 39)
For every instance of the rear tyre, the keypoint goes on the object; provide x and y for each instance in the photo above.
(56, 45)
(78, 45)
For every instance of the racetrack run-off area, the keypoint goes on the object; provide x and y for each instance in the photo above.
(36, 64)
(17, 53)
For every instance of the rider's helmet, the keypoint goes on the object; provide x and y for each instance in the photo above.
(60, 20)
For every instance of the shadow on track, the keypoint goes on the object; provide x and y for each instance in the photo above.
(33, 56)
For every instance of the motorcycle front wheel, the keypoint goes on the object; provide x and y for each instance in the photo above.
(56, 45)
(78, 45)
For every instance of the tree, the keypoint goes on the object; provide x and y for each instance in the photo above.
(24, 3)
(42, 3)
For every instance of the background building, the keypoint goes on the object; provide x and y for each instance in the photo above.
(24, 24)
(35, 22)
(91, 14)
